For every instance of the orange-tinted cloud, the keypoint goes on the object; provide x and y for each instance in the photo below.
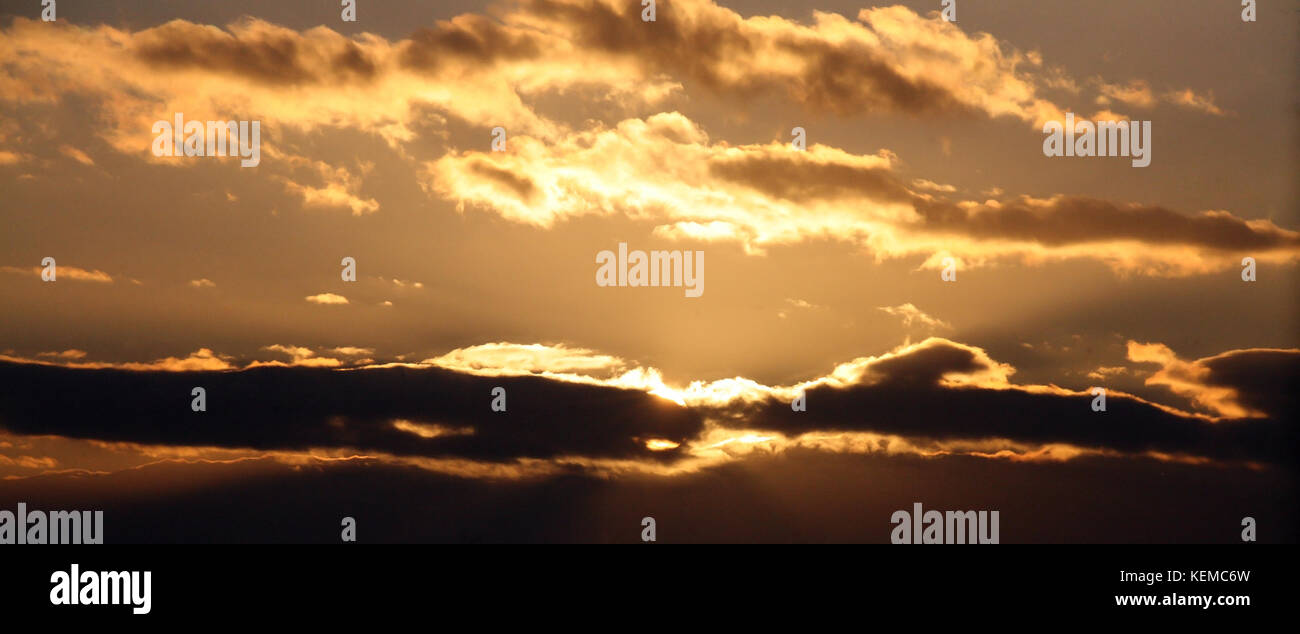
(63, 271)
(913, 316)
(1189, 98)
(327, 299)
(1255, 382)
(666, 168)
(202, 359)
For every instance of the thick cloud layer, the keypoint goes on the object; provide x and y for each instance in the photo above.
(490, 70)
(937, 391)
(402, 411)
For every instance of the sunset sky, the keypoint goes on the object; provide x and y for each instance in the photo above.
(476, 269)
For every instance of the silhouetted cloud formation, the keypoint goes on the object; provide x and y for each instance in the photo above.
(298, 408)
(937, 390)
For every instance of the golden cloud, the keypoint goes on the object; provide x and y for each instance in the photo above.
(666, 169)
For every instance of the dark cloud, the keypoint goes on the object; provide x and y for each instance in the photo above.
(290, 408)
(925, 365)
(850, 80)
(468, 38)
(710, 47)
(1264, 380)
(792, 178)
(1059, 221)
(254, 50)
(903, 396)
(521, 185)
(1077, 219)
(696, 41)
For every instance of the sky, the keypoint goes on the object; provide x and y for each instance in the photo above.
(939, 295)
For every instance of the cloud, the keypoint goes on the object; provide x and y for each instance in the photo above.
(571, 406)
(921, 183)
(299, 356)
(431, 431)
(666, 169)
(339, 187)
(63, 271)
(1182, 242)
(1188, 98)
(480, 68)
(367, 410)
(889, 60)
(76, 155)
(911, 315)
(1138, 93)
(800, 304)
(353, 351)
(288, 80)
(915, 391)
(256, 50)
(327, 299)
(71, 353)
(497, 359)
(202, 359)
(477, 69)
(1254, 382)
(402, 283)
(29, 462)
(1135, 93)
(202, 283)
(1103, 373)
